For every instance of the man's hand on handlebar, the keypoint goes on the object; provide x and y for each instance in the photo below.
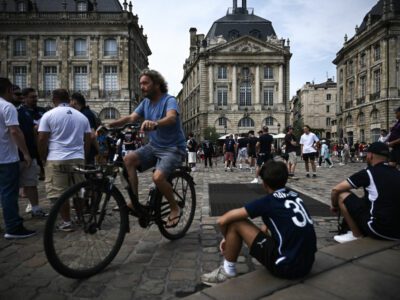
(149, 125)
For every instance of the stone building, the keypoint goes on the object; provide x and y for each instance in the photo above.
(236, 78)
(315, 106)
(368, 72)
(95, 47)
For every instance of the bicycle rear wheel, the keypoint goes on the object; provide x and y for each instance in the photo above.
(185, 196)
(96, 233)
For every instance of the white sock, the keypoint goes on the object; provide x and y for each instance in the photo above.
(230, 267)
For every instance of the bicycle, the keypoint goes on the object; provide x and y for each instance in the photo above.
(99, 216)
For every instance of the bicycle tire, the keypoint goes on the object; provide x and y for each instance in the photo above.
(65, 259)
(184, 191)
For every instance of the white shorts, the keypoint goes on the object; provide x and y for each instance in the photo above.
(242, 153)
(192, 157)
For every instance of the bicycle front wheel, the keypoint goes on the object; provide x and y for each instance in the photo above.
(98, 222)
(185, 196)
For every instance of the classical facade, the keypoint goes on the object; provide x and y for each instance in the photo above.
(95, 47)
(315, 105)
(236, 78)
(368, 72)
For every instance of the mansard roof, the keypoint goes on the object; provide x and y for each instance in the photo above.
(377, 12)
(57, 5)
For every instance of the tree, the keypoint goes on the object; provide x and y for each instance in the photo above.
(210, 133)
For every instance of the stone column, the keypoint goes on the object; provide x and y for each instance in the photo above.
(234, 85)
(281, 84)
(211, 84)
(257, 99)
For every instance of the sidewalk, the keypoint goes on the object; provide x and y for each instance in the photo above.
(148, 266)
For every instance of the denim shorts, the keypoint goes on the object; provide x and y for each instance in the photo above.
(165, 160)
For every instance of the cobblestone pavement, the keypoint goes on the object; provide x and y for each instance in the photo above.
(148, 266)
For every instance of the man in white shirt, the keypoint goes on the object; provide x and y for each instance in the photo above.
(64, 138)
(309, 150)
(11, 138)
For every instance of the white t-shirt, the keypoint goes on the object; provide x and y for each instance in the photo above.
(67, 127)
(308, 140)
(8, 117)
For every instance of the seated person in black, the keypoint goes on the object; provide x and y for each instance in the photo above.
(289, 251)
(377, 213)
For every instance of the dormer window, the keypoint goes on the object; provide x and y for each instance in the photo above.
(233, 34)
(81, 6)
(255, 33)
(21, 6)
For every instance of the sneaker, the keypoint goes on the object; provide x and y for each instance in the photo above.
(314, 175)
(318, 166)
(215, 277)
(255, 180)
(20, 233)
(308, 175)
(344, 238)
(39, 214)
(331, 166)
(65, 226)
(28, 208)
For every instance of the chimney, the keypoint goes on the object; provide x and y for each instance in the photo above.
(193, 38)
(244, 5)
(234, 6)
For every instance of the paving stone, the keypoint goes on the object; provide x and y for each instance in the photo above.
(62, 285)
(151, 287)
(50, 296)
(124, 281)
(120, 294)
(387, 262)
(6, 284)
(139, 258)
(212, 257)
(184, 264)
(157, 273)
(180, 275)
(87, 290)
(35, 262)
(210, 250)
(301, 292)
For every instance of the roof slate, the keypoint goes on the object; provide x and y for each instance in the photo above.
(57, 5)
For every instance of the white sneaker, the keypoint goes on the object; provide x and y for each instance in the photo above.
(344, 238)
(28, 208)
(331, 166)
(255, 180)
(217, 276)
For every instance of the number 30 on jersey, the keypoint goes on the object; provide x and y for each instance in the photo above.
(298, 209)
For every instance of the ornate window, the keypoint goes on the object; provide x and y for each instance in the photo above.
(50, 47)
(375, 115)
(363, 86)
(328, 122)
(81, 6)
(268, 72)
(80, 47)
(349, 120)
(19, 47)
(109, 113)
(246, 122)
(233, 34)
(110, 47)
(269, 121)
(377, 81)
(377, 52)
(21, 6)
(222, 72)
(222, 96)
(375, 134)
(50, 79)
(361, 118)
(110, 79)
(222, 121)
(80, 79)
(328, 97)
(269, 96)
(255, 33)
(20, 76)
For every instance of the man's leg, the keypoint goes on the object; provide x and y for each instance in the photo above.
(132, 162)
(346, 215)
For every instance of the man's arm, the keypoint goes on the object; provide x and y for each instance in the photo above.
(169, 119)
(231, 216)
(43, 145)
(132, 118)
(19, 139)
(257, 147)
(393, 143)
(344, 186)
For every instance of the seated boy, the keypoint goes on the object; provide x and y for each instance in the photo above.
(288, 251)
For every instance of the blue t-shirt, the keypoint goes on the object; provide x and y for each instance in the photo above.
(170, 136)
(290, 224)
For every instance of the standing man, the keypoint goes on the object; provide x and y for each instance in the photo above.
(192, 151)
(291, 149)
(28, 178)
(78, 102)
(208, 149)
(263, 149)
(251, 149)
(11, 138)
(166, 149)
(242, 150)
(309, 150)
(377, 213)
(64, 138)
(394, 141)
(229, 150)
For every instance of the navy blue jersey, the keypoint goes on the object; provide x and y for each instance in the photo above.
(291, 226)
(265, 141)
(242, 142)
(27, 124)
(230, 145)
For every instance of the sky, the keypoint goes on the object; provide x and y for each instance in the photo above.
(316, 30)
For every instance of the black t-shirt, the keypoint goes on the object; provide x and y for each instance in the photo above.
(35, 113)
(288, 139)
(230, 145)
(90, 116)
(380, 183)
(290, 224)
(208, 148)
(242, 142)
(27, 124)
(252, 142)
(266, 141)
(192, 145)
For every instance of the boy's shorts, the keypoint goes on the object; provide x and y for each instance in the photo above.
(265, 250)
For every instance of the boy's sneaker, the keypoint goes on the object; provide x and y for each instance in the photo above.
(255, 180)
(20, 233)
(39, 214)
(344, 238)
(65, 226)
(215, 277)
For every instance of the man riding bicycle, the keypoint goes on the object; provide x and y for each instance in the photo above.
(166, 147)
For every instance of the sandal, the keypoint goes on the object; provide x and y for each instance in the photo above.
(178, 218)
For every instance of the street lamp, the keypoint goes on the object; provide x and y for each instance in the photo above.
(225, 128)
(279, 128)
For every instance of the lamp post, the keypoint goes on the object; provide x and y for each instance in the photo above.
(279, 128)
(225, 128)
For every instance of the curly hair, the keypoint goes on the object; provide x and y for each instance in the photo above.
(157, 78)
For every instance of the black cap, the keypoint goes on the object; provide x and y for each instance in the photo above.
(379, 148)
(397, 109)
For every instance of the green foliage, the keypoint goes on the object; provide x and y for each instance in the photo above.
(210, 133)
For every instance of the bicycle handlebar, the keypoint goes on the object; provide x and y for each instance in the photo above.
(135, 126)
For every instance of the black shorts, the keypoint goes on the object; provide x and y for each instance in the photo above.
(359, 210)
(262, 158)
(265, 250)
(309, 156)
(395, 155)
(251, 153)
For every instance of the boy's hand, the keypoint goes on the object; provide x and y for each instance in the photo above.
(222, 246)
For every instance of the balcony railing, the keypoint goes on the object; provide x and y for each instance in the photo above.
(110, 53)
(81, 53)
(361, 100)
(375, 96)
